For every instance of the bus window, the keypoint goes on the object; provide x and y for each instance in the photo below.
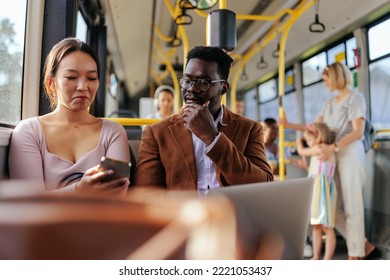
(289, 81)
(380, 93)
(251, 104)
(291, 107)
(312, 68)
(268, 91)
(81, 27)
(290, 99)
(12, 30)
(379, 69)
(314, 98)
(379, 44)
(336, 54)
(269, 109)
(351, 45)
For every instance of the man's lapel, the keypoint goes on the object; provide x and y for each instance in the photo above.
(229, 124)
(183, 140)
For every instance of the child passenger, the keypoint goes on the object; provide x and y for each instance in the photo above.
(323, 206)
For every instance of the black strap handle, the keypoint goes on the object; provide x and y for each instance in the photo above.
(275, 53)
(68, 179)
(244, 76)
(186, 5)
(183, 19)
(175, 42)
(317, 26)
(262, 64)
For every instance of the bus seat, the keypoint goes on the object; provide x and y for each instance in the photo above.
(134, 148)
(4, 173)
(133, 132)
(148, 224)
(5, 137)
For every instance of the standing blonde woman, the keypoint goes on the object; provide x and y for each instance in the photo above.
(63, 148)
(345, 115)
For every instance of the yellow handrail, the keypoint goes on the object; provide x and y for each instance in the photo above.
(174, 11)
(382, 130)
(133, 121)
(284, 30)
(172, 72)
(142, 121)
(160, 35)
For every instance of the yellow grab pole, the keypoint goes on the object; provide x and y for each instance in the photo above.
(222, 5)
(133, 121)
(233, 85)
(184, 37)
(174, 11)
(282, 49)
(160, 35)
(170, 70)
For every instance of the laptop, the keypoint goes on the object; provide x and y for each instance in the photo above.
(284, 206)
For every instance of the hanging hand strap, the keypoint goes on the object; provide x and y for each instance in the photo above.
(317, 26)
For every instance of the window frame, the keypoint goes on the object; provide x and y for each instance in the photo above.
(368, 27)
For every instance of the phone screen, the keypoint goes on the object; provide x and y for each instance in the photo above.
(121, 168)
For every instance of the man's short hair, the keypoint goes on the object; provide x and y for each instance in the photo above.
(239, 98)
(213, 54)
(269, 121)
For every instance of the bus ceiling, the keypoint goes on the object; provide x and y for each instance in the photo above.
(146, 34)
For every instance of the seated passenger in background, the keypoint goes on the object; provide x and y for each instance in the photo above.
(270, 136)
(163, 98)
(204, 145)
(69, 141)
(270, 127)
(240, 106)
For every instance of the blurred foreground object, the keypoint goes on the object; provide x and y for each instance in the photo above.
(148, 224)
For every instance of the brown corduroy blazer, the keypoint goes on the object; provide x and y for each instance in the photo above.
(166, 156)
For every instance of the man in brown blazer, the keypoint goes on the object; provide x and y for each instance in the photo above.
(204, 145)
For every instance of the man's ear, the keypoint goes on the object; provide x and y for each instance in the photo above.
(225, 88)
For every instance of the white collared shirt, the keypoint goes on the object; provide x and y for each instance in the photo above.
(205, 169)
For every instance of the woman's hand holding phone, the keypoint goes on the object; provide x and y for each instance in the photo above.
(106, 178)
(121, 169)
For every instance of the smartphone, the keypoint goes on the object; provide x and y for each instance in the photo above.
(121, 168)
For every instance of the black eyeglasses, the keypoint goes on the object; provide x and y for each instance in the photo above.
(200, 84)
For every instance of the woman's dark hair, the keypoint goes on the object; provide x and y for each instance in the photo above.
(54, 58)
(213, 54)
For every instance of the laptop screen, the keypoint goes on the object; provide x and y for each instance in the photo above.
(282, 206)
